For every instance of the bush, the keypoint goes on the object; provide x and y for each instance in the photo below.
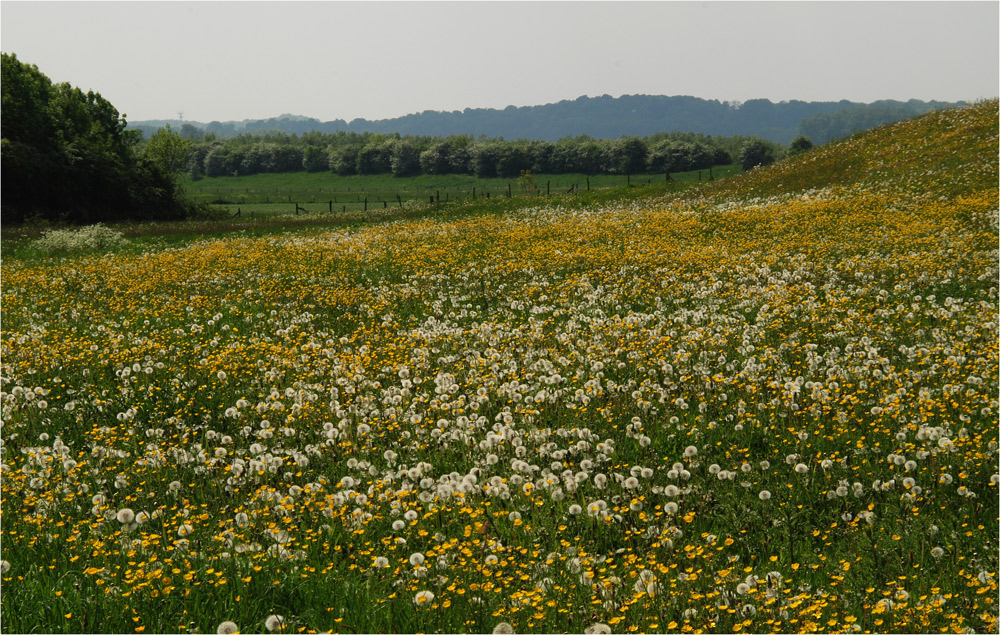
(756, 152)
(93, 238)
(315, 159)
(799, 145)
(405, 159)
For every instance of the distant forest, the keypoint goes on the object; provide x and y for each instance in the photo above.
(349, 153)
(602, 117)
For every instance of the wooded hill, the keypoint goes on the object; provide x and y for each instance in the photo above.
(604, 117)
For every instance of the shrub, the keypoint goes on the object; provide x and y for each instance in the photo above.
(92, 238)
(756, 152)
(799, 145)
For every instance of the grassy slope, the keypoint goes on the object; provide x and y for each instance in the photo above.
(960, 144)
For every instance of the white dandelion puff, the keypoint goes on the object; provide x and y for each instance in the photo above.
(274, 622)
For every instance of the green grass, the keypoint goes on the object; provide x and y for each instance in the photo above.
(268, 219)
(325, 192)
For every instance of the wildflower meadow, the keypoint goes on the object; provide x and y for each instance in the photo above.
(768, 404)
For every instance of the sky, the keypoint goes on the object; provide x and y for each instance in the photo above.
(229, 61)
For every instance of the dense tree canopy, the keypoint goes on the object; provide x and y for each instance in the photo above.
(376, 153)
(66, 155)
(603, 117)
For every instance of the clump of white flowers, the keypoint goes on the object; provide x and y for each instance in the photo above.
(91, 238)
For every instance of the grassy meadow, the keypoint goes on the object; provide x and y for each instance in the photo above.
(325, 192)
(768, 403)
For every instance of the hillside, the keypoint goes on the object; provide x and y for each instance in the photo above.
(765, 405)
(950, 152)
(606, 117)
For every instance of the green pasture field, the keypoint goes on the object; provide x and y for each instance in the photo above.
(325, 192)
(264, 219)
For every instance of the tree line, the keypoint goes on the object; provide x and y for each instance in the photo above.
(603, 117)
(66, 155)
(350, 153)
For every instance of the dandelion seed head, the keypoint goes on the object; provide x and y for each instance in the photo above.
(274, 622)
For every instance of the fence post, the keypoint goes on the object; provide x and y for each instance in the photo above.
(548, 188)
(331, 207)
(366, 203)
(508, 190)
(400, 199)
(588, 183)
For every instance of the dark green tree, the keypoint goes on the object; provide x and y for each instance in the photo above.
(190, 132)
(315, 159)
(512, 160)
(375, 157)
(436, 159)
(167, 150)
(756, 152)
(800, 144)
(219, 161)
(625, 156)
(405, 159)
(66, 155)
(483, 158)
(344, 160)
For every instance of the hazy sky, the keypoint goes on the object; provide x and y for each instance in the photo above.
(342, 60)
